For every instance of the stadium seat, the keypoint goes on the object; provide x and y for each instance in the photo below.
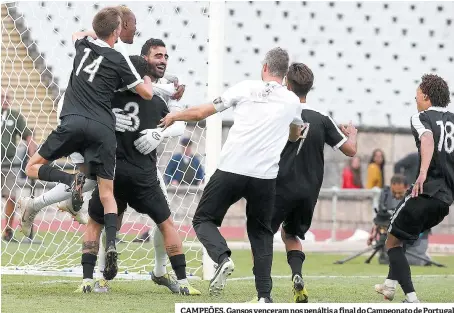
(361, 68)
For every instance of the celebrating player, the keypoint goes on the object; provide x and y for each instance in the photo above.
(136, 182)
(262, 111)
(301, 173)
(32, 206)
(87, 122)
(427, 202)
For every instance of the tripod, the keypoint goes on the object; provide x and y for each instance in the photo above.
(380, 246)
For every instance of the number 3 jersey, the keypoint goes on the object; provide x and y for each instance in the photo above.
(440, 175)
(98, 70)
(145, 114)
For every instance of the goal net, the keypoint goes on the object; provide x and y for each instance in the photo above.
(37, 57)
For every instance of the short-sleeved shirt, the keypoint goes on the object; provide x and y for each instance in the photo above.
(98, 71)
(145, 114)
(440, 175)
(13, 126)
(262, 114)
(301, 167)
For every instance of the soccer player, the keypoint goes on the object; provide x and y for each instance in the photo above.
(87, 121)
(136, 182)
(301, 173)
(32, 206)
(427, 202)
(262, 111)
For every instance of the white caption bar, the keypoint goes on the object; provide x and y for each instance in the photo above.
(315, 308)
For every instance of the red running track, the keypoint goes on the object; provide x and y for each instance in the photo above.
(229, 232)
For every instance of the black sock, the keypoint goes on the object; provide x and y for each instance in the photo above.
(88, 264)
(178, 263)
(222, 257)
(295, 259)
(110, 223)
(51, 174)
(400, 269)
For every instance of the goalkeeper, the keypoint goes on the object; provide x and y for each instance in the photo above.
(136, 181)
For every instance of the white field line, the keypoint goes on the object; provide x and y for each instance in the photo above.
(65, 281)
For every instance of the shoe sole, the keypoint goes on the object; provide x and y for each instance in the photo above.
(159, 283)
(299, 286)
(111, 269)
(384, 297)
(76, 194)
(21, 208)
(219, 280)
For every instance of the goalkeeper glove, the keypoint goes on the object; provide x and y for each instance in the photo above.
(150, 140)
(123, 121)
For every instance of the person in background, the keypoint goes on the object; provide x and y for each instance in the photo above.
(13, 126)
(351, 176)
(184, 167)
(408, 166)
(375, 170)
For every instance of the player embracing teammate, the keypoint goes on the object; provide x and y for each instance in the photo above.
(88, 123)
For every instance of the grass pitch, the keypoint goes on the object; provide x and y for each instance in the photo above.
(326, 282)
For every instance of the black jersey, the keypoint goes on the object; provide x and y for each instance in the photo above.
(145, 114)
(301, 167)
(440, 175)
(98, 71)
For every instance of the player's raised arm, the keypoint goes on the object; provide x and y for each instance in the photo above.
(348, 145)
(143, 87)
(228, 99)
(80, 35)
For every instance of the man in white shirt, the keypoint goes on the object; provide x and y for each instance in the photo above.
(262, 112)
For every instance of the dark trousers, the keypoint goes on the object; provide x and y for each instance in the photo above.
(223, 190)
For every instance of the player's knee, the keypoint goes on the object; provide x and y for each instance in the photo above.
(392, 242)
(166, 225)
(106, 197)
(286, 237)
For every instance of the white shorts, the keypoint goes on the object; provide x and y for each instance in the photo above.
(77, 158)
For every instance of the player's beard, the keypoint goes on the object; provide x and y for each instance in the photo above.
(155, 72)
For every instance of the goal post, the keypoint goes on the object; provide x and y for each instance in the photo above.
(56, 246)
(214, 122)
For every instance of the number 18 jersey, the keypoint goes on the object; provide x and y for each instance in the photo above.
(98, 70)
(440, 175)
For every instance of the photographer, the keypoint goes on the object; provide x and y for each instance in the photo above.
(390, 197)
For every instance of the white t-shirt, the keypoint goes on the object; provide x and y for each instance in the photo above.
(262, 113)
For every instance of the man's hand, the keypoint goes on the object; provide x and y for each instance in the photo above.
(179, 91)
(418, 185)
(167, 120)
(150, 140)
(123, 121)
(372, 235)
(349, 129)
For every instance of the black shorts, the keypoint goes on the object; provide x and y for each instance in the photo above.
(137, 188)
(294, 215)
(225, 189)
(95, 141)
(413, 216)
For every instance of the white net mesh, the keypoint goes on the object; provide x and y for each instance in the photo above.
(36, 63)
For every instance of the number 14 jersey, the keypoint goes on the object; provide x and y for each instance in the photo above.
(440, 175)
(98, 70)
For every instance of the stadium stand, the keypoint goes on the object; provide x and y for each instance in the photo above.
(24, 72)
(358, 60)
